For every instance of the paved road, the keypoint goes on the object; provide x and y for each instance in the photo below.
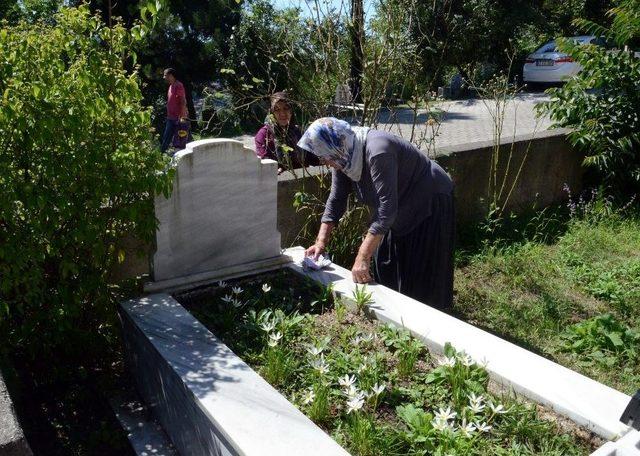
(461, 122)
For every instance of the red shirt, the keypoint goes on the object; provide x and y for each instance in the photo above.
(175, 101)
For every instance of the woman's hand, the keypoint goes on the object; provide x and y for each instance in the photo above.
(360, 270)
(315, 250)
(321, 241)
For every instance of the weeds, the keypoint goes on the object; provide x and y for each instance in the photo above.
(603, 339)
(362, 298)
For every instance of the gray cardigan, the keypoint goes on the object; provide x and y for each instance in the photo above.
(397, 184)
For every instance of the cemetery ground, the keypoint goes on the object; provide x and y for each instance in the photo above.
(566, 287)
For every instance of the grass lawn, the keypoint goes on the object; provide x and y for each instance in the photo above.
(575, 300)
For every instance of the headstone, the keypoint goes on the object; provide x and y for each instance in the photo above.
(343, 95)
(221, 216)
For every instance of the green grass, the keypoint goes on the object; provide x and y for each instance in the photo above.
(575, 300)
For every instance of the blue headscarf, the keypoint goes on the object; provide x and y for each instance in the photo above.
(336, 140)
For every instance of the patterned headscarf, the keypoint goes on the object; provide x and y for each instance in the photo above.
(336, 140)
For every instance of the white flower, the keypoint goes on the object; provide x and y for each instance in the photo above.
(378, 389)
(366, 337)
(268, 326)
(497, 409)
(361, 368)
(483, 427)
(320, 365)
(445, 415)
(274, 338)
(351, 391)
(266, 288)
(467, 360)
(440, 425)
(347, 381)
(446, 361)
(356, 341)
(476, 408)
(236, 290)
(227, 298)
(222, 284)
(476, 403)
(308, 397)
(467, 429)
(476, 399)
(315, 351)
(355, 404)
(237, 303)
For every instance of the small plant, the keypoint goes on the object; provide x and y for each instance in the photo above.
(279, 363)
(318, 405)
(341, 311)
(324, 299)
(362, 298)
(361, 430)
(603, 339)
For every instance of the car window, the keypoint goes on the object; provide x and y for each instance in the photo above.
(549, 47)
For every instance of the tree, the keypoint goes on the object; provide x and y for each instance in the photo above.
(602, 103)
(79, 169)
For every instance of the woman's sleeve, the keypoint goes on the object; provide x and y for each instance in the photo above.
(261, 143)
(384, 174)
(337, 201)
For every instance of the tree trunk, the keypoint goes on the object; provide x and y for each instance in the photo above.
(357, 49)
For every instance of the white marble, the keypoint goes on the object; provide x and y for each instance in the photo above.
(207, 399)
(221, 213)
(147, 437)
(204, 278)
(628, 445)
(585, 401)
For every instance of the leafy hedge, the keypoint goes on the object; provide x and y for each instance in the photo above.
(602, 103)
(78, 170)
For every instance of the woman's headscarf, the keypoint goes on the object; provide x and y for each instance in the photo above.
(336, 140)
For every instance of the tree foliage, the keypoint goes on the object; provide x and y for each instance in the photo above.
(602, 103)
(78, 170)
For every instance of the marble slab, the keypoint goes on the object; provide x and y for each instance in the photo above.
(147, 438)
(628, 445)
(585, 401)
(203, 278)
(207, 399)
(221, 213)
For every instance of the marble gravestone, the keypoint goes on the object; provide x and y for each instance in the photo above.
(220, 217)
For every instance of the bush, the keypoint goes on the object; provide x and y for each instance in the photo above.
(78, 170)
(602, 103)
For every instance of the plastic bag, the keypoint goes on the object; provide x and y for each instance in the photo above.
(182, 135)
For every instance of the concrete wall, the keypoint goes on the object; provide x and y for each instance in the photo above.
(549, 162)
(542, 165)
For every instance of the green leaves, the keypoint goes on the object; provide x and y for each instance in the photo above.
(79, 172)
(601, 103)
(603, 339)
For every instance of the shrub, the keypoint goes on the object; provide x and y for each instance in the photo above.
(78, 170)
(602, 103)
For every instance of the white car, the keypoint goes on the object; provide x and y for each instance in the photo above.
(549, 65)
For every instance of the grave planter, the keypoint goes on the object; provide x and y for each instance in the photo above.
(208, 400)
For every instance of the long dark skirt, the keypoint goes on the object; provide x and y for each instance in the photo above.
(420, 263)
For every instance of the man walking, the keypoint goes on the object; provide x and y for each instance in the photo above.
(176, 107)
